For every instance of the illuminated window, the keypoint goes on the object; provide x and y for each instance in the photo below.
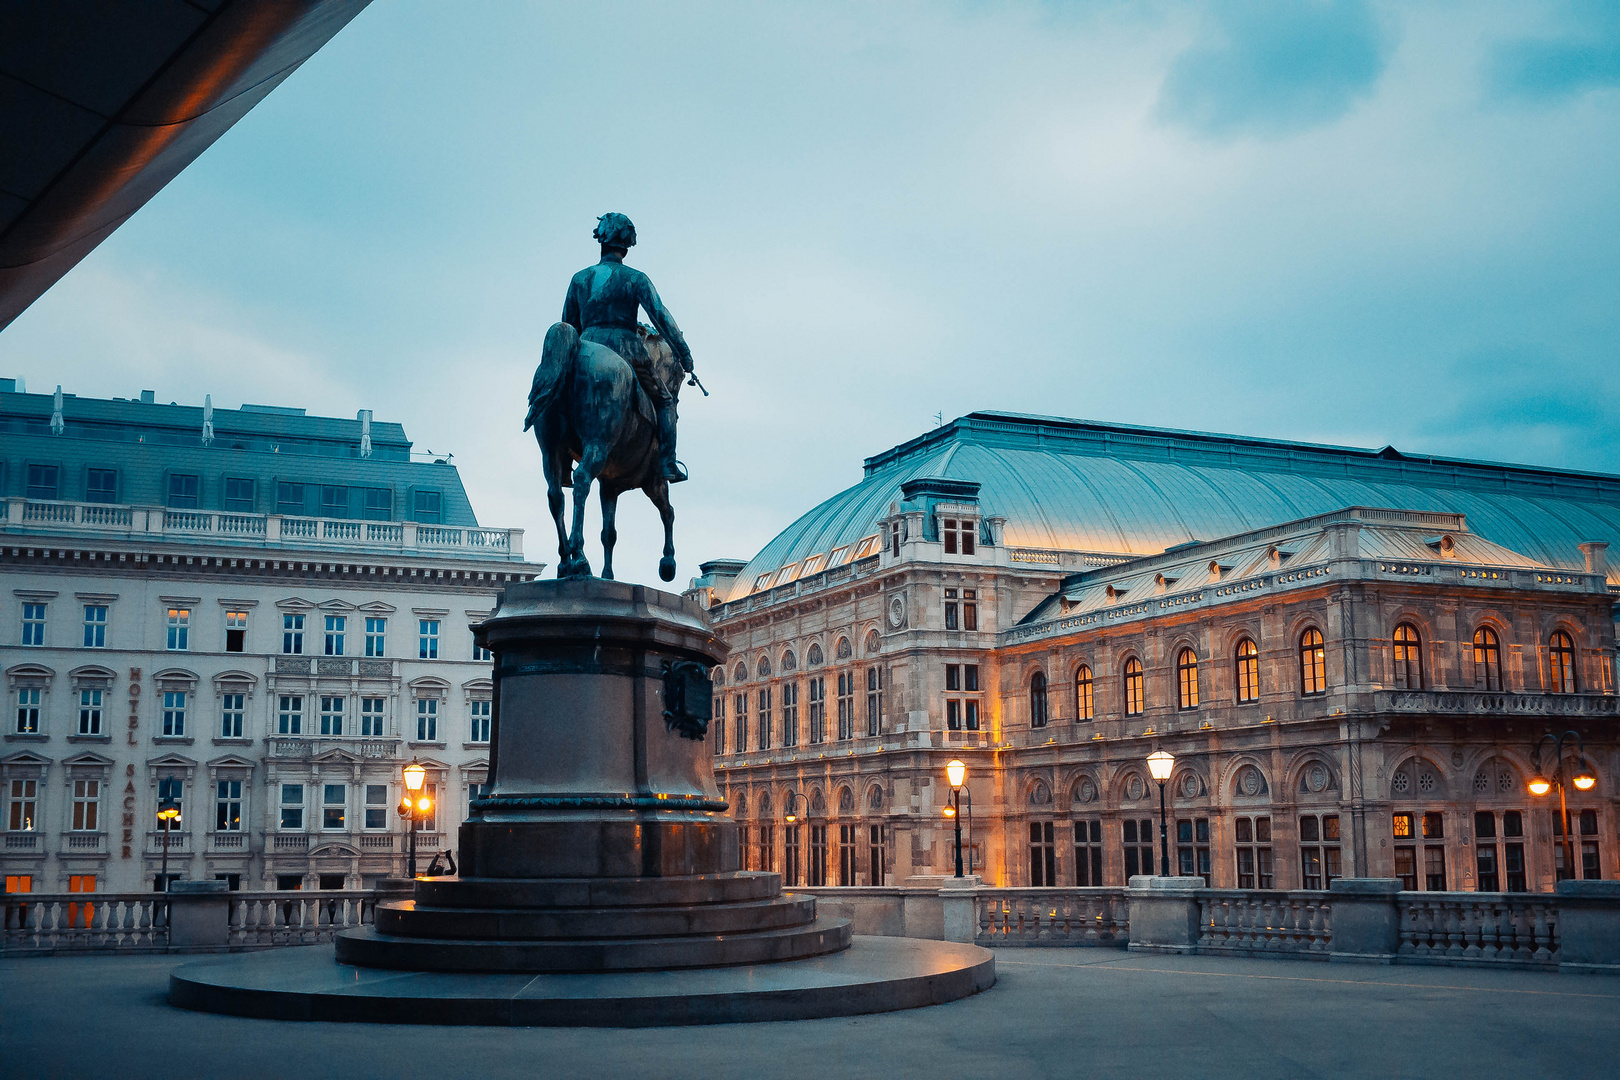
(235, 631)
(87, 805)
(22, 805)
(1487, 659)
(1248, 672)
(179, 637)
(1134, 700)
(1408, 658)
(1084, 705)
(1187, 679)
(1312, 663)
(228, 806)
(1561, 651)
(334, 803)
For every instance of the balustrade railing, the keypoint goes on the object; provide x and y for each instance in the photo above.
(292, 918)
(1055, 916)
(56, 922)
(1248, 921)
(1484, 928)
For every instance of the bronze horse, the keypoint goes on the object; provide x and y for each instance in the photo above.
(585, 406)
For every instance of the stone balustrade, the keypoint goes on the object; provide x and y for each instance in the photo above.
(1251, 922)
(1056, 916)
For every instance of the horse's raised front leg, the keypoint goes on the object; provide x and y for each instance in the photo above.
(610, 535)
(659, 494)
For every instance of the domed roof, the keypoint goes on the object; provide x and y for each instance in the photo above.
(1086, 486)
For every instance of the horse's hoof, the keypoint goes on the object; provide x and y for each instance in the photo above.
(666, 568)
(607, 573)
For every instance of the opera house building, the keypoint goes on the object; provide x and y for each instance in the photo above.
(1352, 655)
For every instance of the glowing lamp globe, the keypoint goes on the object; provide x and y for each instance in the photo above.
(1540, 785)
(1159, 764)
(955, 772)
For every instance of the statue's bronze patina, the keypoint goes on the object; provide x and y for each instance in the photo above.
(604, 396)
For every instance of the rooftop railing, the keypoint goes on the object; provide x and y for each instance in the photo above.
(258, 530)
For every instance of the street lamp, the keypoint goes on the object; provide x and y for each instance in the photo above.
(1159, 763)
(792, 797)
(956, 773)
(414, 807)
(1583, 780)
(168, 813)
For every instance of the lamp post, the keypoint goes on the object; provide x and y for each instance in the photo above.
(1583, 780)
(413, 806)
(1160, 762)
(168, 813)
(956, 773)
(790, 847)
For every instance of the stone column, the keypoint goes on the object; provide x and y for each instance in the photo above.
(1366, 924)
(959, 908)
(1164, 913)
(1589, 927)
(199, 914)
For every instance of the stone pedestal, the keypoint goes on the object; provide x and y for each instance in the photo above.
(1164, 913)
(1589, 927)
(1366, 921)
(199, 914)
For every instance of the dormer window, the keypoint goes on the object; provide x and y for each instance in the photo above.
(959, 535)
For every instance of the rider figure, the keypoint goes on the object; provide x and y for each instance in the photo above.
(601, 305)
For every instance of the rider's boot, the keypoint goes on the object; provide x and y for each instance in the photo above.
(671, 469)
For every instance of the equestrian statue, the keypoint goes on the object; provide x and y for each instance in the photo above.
(604, 397)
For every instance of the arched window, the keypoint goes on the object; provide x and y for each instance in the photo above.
(1487, 660)
(1187, 679)
(1133, 687)
(1408, 658)
(1083, 707)
(1037, 700)
(1312, 663)
(1561, 651)
(1248, 672)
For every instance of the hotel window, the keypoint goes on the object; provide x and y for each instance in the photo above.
(764, 723)
(379, 504)
(334, 801)
(1138, 834)
(427, 719)
(1312, 663)
(183, 491)
(1037, 700)
(818, 709)
(481, 654)
(90, 712)
(952, 610)
(480, 721)
(179, 629)
(818, 855)
(1134, 701)
(1253, 837)
(235, 631)
(33, 624)
(427, 639)
(1408, 656)
(87, 805)
(790, 855)
(230, 716)
(239, 494)
(1042, 854)
(874, 700)
(374, 635)
(376, 806)
(1084, 703)
(790, 714)
(85, 916)
(292, 634)
(846, 705)
(228, 806)
(1499, 861)
(101, 486)
(1487, 660)
(874, 854)
(95, 626)
(174, 714)
(290, 498)
(1187, 679)
(42, 482)
(847, 848)
(1248, 672)
(371, 716)
(335, 627)
(1192, 848)
(1318, 850)
(1561, 652)
(1088, 853)
(739, 733)
(425, 507)
(290, 715)
(959, 536)
(334, 501)
(332, 714)
(292, 806)
(28, 710)
(1410, 855)
(1583, 824)
(22, 805)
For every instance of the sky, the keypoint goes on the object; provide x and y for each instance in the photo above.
(1326, 220)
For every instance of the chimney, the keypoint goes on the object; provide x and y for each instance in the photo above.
(1597, 557)
(148, 397)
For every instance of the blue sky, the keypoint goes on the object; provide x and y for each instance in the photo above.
(1327, 220)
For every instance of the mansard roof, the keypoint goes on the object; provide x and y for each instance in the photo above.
(1115, 488)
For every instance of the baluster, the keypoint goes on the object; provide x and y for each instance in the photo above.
(1409, 918)
(1543, 932)
(1454, 928)
(1475, 923)
(1225, 930)
(1554, 940)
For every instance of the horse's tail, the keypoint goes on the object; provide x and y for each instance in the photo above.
(556, 370)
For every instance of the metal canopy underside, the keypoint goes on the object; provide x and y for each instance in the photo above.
(103, 103)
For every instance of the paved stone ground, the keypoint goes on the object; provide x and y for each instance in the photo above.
(1054, 1012)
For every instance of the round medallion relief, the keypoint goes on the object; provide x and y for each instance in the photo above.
(1400, 783)
(897, 612)
(1191, 786)
(1250, 782)
(1133, 788)
(1317, 778)
(1085, 791)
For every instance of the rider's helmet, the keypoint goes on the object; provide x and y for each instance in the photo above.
(615, 230)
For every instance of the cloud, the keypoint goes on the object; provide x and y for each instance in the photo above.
(1554, 68)
(1275, 68)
